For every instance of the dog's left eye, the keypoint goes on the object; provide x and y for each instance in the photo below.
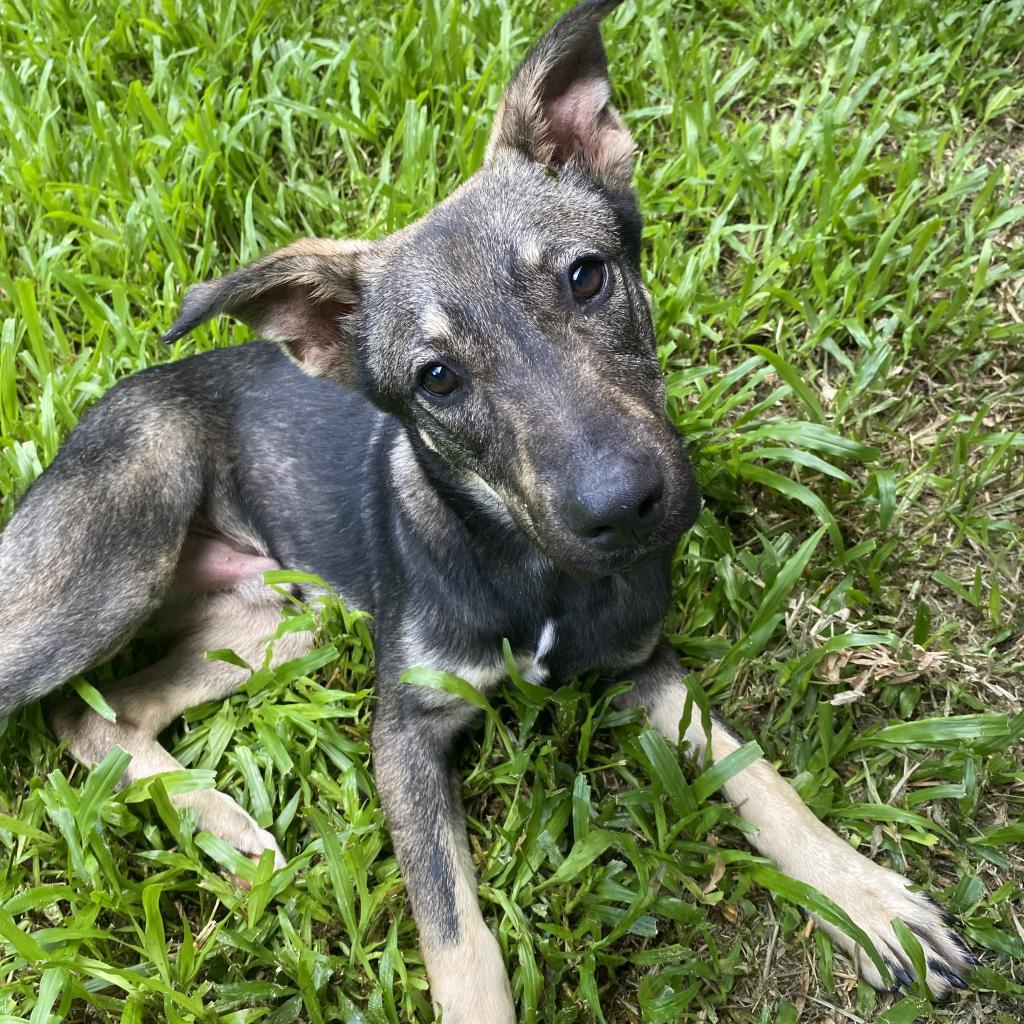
(438, 380)
(587, 278)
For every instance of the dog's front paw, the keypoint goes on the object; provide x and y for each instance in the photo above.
(873, 896)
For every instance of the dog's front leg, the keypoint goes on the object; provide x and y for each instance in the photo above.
(414, 742)
(807, 850)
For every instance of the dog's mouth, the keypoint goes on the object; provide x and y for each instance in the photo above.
(588, 565)
(604, 557)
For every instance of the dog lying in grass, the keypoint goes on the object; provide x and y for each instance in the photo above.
(462, 429)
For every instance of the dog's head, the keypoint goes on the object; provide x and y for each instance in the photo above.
(508, 329)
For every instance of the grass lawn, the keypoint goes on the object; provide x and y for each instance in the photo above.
(835, 246)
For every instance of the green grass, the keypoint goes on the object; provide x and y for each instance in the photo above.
(835, 202)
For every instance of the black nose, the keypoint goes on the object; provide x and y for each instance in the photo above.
(617, 502)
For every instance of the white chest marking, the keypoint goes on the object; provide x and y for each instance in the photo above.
(534, 670)
(488, 674)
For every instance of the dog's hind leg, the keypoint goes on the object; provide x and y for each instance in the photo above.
(145, 703)
(94, 544)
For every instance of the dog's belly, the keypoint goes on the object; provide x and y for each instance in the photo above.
(208, 564)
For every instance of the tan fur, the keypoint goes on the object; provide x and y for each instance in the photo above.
(433, 322)
(531, 251)
(145, 703)
(805, 849)
(486, 492)
(418, 498)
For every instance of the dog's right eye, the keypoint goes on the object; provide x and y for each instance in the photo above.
(586, 278)
(438, 380)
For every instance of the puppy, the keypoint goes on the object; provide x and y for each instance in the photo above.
(461, 428)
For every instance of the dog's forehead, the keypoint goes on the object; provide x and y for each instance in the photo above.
(500, 220)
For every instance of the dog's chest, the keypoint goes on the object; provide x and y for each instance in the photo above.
(567, 647)
(605, 626)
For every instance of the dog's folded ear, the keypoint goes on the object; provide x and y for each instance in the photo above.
(306, 297)
(555, 109)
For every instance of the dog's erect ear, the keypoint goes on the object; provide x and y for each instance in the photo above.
(305, 297)
(556, 110)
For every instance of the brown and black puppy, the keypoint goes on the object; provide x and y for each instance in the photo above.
(497, 463)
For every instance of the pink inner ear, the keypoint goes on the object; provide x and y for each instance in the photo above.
(573, 119)
(309, 327)
(291, 314)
